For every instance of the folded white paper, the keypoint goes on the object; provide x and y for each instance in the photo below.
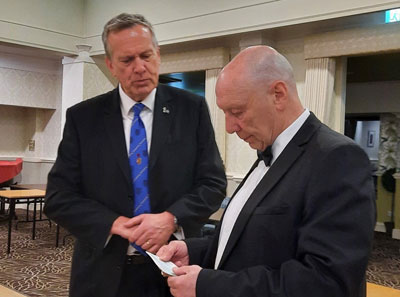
(165, 267)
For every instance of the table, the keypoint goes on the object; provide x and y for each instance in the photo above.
(4, 291)
(374, 290)
(13, 197)
(31, 187)
(28, 187)
(38, 187)
(9, 169)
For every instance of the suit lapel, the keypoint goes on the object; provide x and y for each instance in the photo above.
(164, 113)
(115, 132)
(285, 161)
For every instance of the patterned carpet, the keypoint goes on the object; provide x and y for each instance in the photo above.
(384, 262)
(37, 268)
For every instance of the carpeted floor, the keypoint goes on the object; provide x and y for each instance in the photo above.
(384, 261)
(37, 268)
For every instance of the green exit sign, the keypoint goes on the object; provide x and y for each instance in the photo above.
(392, 16)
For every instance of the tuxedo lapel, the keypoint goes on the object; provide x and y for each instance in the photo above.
(115, 132)
(285, 161)
(164, 113)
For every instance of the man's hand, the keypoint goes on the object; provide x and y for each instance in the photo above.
(184, 283)
(176, 251)
(118, 227)
(152, 231)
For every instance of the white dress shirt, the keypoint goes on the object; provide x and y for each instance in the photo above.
(239, 200)
(146, 115)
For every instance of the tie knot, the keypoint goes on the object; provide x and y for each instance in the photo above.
(137, 108)
(266, 155)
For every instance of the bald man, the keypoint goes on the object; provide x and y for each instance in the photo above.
(301, 222)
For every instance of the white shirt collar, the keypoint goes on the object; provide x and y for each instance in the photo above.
(127, 102)
(286, 136)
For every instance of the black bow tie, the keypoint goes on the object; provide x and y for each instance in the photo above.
(266, 155)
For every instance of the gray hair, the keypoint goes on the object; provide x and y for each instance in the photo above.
(125, 21)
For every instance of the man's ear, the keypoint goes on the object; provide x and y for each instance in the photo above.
(158, 52)
(158, 55)
(280, 90)
(110, 65)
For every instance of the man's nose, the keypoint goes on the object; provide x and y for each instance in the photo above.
(230, 124)
(139, 66)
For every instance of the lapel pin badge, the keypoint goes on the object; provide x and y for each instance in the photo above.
(165, 110)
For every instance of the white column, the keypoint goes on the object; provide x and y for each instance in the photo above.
(82, 79)
(253, 39)
(73, 79)
(217, 115)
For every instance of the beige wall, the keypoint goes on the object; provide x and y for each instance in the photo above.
(30, 100)
(25, 86)
(14, 132)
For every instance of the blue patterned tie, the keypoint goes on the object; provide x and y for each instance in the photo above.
(138, 160)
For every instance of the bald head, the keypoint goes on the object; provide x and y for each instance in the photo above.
(258, 94)
(258, 66)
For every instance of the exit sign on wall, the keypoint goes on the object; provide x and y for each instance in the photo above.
(392, 16)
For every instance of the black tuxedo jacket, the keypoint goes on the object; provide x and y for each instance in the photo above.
(307, 228)
(90, 185)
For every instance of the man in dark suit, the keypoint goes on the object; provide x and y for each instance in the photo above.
(301, 223)
(91, 188)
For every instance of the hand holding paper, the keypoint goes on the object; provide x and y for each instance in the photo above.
(165, 267)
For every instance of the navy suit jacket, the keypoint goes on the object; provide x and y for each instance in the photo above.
(307, 228)
(90, 185)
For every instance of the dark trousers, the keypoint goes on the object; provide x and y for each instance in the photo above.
(143, 280)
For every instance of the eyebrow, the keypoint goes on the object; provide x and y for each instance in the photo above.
(149, 51)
